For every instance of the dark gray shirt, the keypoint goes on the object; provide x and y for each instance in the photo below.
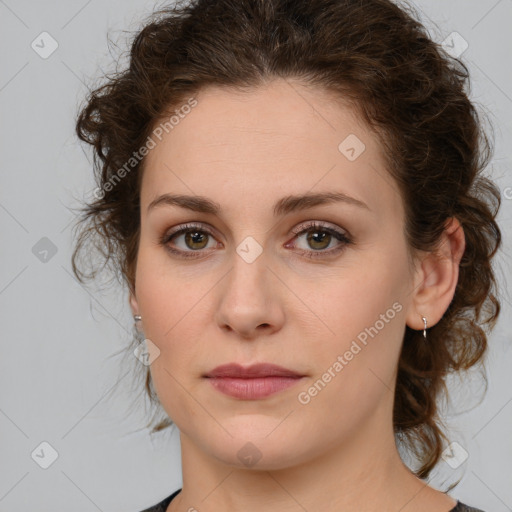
(162, 506)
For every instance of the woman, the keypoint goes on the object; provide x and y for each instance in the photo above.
(292, 193)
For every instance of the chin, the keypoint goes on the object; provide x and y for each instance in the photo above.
(256, 456)
(257, 442)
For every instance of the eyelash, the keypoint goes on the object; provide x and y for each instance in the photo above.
(341, 236)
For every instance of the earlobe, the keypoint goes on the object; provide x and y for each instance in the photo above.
(134, 306)
(439, 274)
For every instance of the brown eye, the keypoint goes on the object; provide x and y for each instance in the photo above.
(317, 239)
(196, 239)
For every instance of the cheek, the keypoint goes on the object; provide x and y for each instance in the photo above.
(164, 297)
(355, 367)
(162, 308)
(358, 316)
(347, 303)
(166, 317)
(172, 306)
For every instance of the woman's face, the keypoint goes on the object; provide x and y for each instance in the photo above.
(255, 283)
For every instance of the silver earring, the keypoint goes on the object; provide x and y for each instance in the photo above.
(425, 327)
(138, 327)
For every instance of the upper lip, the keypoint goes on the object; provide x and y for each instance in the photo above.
(256, 370)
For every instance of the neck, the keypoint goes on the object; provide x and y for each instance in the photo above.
(364, 472)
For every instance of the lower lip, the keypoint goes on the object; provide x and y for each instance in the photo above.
(254, 388)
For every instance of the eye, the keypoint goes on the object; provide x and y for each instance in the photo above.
(194, 236)
(319, 237)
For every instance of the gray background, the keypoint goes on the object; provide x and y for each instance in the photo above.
(58, 367)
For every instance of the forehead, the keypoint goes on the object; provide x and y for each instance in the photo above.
(243, 148)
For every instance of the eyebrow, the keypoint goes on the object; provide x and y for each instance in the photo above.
(283, 206)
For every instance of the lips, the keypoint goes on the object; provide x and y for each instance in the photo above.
(260, 370)
(254, 382)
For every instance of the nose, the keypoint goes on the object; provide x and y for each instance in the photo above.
(249, 301)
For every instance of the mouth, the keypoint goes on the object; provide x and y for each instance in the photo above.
(253, 382)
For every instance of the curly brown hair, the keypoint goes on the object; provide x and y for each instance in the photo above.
(409, 90)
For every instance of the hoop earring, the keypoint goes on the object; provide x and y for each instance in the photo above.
(139, 332)
(425, 327)
(137, 325)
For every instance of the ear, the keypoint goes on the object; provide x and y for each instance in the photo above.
(134, 306)
(437, 277)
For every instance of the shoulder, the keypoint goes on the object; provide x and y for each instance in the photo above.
(162, 505)
(461, 507)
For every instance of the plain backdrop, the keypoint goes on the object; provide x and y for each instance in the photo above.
(59, 402)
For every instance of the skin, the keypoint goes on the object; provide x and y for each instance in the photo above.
(245, 151)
